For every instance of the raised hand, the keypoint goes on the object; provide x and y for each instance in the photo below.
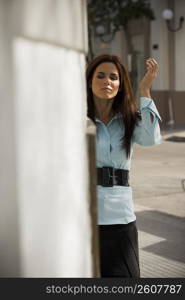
(151, 73)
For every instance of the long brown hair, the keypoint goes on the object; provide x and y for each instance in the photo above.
(124, 101)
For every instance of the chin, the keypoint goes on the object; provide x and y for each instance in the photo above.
(107, 96)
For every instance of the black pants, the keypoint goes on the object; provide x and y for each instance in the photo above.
(119, 255)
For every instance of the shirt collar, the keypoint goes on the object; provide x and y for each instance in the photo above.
(117, 115)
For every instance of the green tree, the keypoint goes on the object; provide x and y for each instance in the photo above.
(115, 15)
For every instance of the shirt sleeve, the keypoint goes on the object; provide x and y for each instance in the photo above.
(147, 131)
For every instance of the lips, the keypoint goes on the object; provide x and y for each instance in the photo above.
(106, 89)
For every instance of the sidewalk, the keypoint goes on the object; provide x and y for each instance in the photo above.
(156, 178)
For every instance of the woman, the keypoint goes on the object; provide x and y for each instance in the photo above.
(120, 124)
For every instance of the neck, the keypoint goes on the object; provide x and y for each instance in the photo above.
(103, 108)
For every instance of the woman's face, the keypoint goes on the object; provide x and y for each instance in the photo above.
(105, 81)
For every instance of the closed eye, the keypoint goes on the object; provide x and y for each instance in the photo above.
(112, 76)
(101, 75)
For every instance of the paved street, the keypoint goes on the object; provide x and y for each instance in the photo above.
(156, 177)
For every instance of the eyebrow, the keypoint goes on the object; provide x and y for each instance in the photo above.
(110, 74)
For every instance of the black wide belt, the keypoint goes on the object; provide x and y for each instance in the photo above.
(108, 176)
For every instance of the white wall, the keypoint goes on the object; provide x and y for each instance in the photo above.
(180, 47)
(159, 35)
(44, 191)
(62, 22)
(9, 235)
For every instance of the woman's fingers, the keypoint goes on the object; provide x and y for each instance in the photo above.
(152, 63)
(151, 74)
(152, 66)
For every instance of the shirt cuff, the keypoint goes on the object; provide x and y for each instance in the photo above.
(148, 103)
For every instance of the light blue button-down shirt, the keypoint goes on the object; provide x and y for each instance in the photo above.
(115, 204)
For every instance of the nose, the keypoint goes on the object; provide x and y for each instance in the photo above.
(107, 80)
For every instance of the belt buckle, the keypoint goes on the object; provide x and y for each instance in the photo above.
(108, 176)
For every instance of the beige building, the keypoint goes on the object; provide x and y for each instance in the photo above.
(153, 39)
